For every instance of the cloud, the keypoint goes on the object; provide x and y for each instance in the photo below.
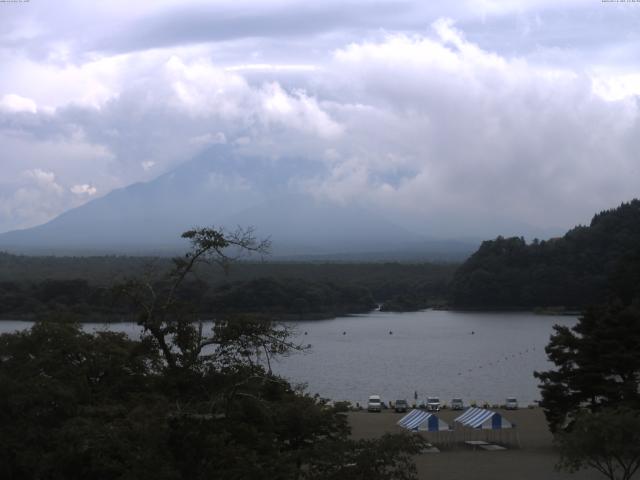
(209, 139)
(40, 164)
(437, 127)
(228, 21)
(297, 111)
(617, 87)
(269, 67)
(15, 103)
(204, 90)
(148, 165)
(174, 108)
(84, 189)
(505, 115)
(36, 197)
(43, 179)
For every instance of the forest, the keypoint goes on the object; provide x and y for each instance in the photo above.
(81, 287)
(566, 273)
(182, 402)
(179, 402)
(556, 275)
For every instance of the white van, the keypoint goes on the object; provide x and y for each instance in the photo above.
(511, 404)
(374, 404)
(433, 404)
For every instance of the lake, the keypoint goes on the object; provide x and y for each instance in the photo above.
(478, 356)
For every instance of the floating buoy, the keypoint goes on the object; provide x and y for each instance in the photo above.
(344, 333)
(305, 333)
(390, 332)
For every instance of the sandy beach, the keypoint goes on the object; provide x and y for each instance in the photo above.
(534, 460)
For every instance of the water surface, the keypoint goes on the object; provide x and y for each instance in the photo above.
(478, 356)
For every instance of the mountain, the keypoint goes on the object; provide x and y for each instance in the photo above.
(573, 271)
(222, 188)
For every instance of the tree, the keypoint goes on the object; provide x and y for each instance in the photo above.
(608, 440)
(592, 398)
(388, 458)
(74, 405)
(598, 363)
(179, 403)
(173, 324)
(570, 271)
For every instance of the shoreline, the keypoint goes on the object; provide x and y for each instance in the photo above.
(535, 459)
(319, 316)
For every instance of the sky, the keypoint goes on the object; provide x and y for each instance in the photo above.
(486, 113)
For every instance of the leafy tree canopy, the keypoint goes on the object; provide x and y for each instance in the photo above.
(608, 440)
(180, 402)
(572, 271)
(598, 363)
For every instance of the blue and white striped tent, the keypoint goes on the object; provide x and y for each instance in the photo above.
(422, 421)
(484, 419)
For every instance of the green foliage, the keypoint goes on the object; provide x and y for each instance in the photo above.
(79, 287)
(74, 405)
(290, 297)
(571, 271)
(50, 298)
(598, 363)
(389, 458)
(608, 440)
(408, 302)
(592, 398)
(179, 403)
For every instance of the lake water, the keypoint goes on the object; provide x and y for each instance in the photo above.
(478, 356)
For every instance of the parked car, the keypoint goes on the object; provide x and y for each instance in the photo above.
(374, 404)
(511, 404)
(457, 404)
(433, 404)
(401, 406)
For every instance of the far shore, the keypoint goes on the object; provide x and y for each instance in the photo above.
(282, 317)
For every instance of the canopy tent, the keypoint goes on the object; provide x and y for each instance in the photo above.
(420, 420)
(483, 419)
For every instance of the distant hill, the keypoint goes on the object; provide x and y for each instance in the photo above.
(80, 287)
(223, 188)
(573, 271)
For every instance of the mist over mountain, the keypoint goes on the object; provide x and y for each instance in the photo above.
(223, 188)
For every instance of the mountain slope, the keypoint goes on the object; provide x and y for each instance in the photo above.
(572, 271)
(216, 188)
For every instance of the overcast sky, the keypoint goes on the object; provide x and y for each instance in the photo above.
(514, 112)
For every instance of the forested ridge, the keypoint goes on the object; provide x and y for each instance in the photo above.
(591, 397)
(566, 273)
(569, 272)
(80, 287)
